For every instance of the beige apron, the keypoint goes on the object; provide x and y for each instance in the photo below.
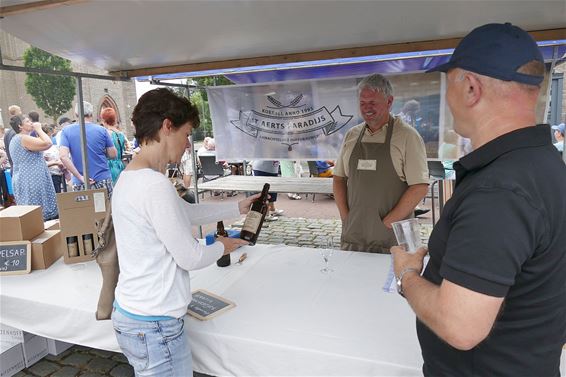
(372, 193)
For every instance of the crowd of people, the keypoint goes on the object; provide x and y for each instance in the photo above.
(496, 278)
(39, 159)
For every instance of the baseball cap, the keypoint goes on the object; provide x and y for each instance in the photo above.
(496, 50)
(560, 128)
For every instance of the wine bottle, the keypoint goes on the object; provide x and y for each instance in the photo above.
(88, 244)
(224, 260)
(255, 217)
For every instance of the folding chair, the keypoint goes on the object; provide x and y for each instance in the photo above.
(211, 170)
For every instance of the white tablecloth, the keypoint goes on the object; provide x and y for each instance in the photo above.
(290, 318)
(310, 185)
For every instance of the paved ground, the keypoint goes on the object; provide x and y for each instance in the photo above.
(304, 223)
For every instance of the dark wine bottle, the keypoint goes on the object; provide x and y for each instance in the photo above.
(254, 219)
(224, 260)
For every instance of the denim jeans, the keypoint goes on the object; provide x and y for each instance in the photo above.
(154, 348)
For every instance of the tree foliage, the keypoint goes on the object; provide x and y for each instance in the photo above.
(52, 93)
(199, 98)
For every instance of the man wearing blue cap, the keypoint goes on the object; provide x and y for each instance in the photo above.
(492, 299)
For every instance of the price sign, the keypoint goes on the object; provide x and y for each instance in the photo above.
(206, 305)
(15, 257)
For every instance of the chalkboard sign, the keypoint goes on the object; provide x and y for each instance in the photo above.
(206, 305)
(15, 257)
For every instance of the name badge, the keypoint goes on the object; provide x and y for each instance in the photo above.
(367, 164)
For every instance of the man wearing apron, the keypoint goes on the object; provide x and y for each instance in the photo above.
(381, 173)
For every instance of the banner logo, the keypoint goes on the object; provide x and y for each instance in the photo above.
(290, 123)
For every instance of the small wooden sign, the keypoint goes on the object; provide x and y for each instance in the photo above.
(206, 305)
(15, 257)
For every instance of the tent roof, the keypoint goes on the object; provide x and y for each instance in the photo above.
(136, 38)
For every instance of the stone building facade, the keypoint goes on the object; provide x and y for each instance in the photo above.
(561, 69)
(101, 93)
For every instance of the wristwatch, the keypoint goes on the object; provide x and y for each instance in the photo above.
(399, 279)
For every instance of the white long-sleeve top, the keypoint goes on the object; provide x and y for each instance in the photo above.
(156, 248)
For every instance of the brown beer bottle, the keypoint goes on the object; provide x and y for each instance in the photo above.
(224, 260)
(255, 217)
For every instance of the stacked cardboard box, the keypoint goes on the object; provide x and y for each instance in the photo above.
(19, 349)
(51, 225)
(11, 351)
(20, 223)
(79, 212)
(25, 223)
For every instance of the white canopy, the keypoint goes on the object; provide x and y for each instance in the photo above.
(147, 37)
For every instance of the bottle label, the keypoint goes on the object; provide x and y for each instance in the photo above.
(252, 222)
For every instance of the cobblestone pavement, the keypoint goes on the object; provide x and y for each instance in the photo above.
(298, 231)
(81, 361)
(88, 362)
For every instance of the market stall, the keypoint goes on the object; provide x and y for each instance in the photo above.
(289, 319)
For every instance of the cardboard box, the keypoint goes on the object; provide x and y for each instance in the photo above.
(11, 351)
(78, 213)
(51, 225)
(46, 249)
(20, 223)
(35, 348)
(12, 361)
(56, 347)
(9, 337)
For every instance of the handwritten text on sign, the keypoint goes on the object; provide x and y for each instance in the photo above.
(206, 305)
(15, 257)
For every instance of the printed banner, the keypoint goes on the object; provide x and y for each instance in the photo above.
(289, 120)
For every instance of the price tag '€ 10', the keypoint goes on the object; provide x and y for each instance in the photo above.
(15, 257)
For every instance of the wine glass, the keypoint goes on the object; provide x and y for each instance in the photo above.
(326, 252)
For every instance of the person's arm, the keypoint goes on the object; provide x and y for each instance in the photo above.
(459, 316)
(127, 144)
(200, 214)
(492, 234)
(415, 173)
(406, 204)
(68, 163)
(54, 162)
(173, 227)
(340, 189)
(37, 144)
(111, 151)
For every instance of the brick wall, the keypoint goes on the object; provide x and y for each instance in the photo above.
(13, 92)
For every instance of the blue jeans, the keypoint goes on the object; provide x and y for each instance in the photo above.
(154, 348)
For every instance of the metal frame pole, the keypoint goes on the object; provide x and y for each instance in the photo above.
(195, 171)
(84, 149)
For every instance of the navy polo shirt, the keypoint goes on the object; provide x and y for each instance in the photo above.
(503, 234)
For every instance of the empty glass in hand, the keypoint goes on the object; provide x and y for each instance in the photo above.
(326, 252)
(408, 234)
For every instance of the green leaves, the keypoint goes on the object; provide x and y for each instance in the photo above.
(53, 94)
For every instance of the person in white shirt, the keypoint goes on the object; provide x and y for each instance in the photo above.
(156, 249)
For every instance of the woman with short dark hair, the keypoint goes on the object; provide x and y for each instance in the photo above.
(156, 249)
